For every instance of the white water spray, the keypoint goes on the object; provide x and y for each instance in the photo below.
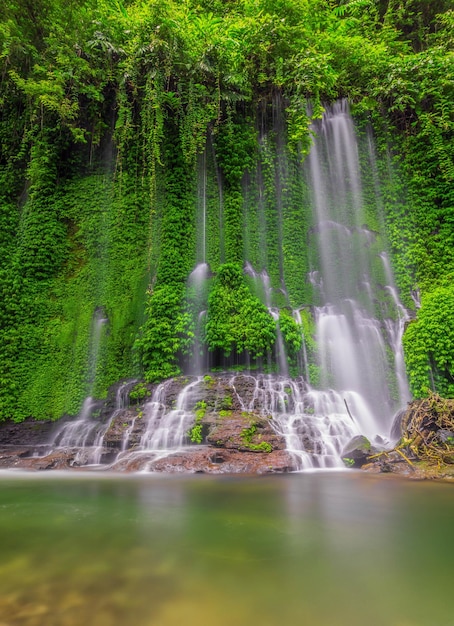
(351, 338)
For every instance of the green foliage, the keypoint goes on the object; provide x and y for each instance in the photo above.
(162, 334)
(291, 332)
(200, 410)
(429, 344)
(247, 435)
(106, 107)
(227, 402)
(237, 321)
(90, 264)
(139, 392)
(195, 433)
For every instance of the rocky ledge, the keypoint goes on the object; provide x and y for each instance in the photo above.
(221, 438)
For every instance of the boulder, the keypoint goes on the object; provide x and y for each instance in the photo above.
(357, 451)
(243, 431)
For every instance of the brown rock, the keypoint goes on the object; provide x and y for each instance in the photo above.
(224, 461)
(126, 423)
(243, 431)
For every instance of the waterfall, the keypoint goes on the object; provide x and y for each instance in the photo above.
(197, 297)
(164, 429)
(314, 424)
(303, 361)
(349, 377)
(395, 329)
(82, 431)
(202, 208)
(355, 325)
(86, 433)
(99, 322)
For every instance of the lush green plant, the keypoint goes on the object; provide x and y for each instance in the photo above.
(291, 332)
(200, 410)
(195, 433)
(139, 392)
(429, 344)
(237, 321)
(247, 435)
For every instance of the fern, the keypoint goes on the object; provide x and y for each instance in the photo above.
(353, 7)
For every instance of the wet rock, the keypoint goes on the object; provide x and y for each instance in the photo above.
(127, 424)
(357, 452)
(416, 471)
(243, 431)
(224, 461)
(27, 433)
(20, 458)
(11, 456)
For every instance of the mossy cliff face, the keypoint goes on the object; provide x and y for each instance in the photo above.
(139, 140)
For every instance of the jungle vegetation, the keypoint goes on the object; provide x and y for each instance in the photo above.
(114, 113)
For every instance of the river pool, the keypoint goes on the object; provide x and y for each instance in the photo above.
(315, 549)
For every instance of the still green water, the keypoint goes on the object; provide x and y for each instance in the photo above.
(324, 549)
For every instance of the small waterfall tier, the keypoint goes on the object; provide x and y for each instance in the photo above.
(85, 434)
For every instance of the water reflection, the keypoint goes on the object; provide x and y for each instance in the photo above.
(325, 549)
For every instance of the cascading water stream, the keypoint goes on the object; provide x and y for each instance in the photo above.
(165, 429)
(395, 329)
(80, 433)
(87, 433)
(351, 336)
(314, 425)
(196, 293)
(202, 208)
(303, 361)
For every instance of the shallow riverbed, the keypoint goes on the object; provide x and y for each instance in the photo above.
(324, 549)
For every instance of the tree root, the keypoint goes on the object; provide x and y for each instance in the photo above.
(421, 438)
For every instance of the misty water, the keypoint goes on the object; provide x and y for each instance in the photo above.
(325, 549)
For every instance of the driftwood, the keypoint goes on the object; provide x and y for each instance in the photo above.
(427, 433)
